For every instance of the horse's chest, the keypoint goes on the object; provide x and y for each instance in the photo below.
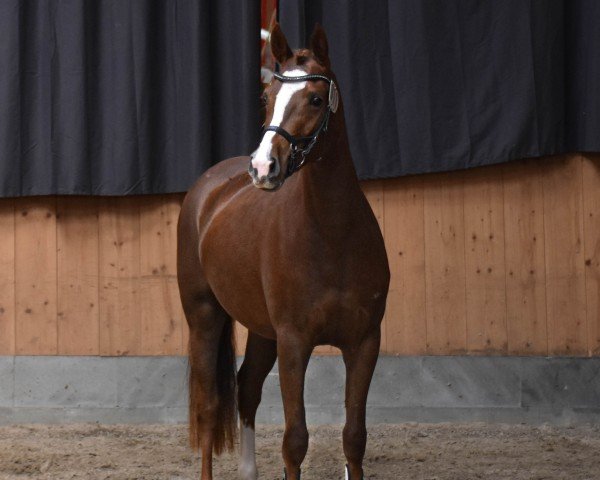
(264, 274)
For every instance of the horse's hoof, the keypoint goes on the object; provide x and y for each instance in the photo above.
(285, 474)
(347, 470)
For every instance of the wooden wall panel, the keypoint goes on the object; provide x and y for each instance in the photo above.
(119, 276)
(497, 260)
(7, 277)
(77, 276)
(405, 244)
(591, 217)
(484, 259)
(241, 335)
(525, 259)
(445, 264)
(35, 276)
(162, 317)
(565, 275)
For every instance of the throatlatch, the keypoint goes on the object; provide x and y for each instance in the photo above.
(307, 142)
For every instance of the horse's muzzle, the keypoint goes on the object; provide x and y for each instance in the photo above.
(272, 180)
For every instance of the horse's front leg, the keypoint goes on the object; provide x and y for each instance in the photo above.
(258, 361)
(293, 352)
(360, 363)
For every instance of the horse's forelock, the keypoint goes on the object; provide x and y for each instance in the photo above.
(305, 57)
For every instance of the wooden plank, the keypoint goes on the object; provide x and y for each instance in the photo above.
(185, 337)
(7, 277)
(405, 243)
(373, 190)
(591, 200)
(241, 336)
(162, 315)
(119, 272)
(77, 265)
(185, 333)
(35, 276)
(565, 273)
(525, 263)
(445, 264)
(484, 261)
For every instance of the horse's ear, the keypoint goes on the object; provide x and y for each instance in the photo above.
(279, 45)
(319, 45)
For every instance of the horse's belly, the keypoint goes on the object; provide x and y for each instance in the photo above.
(233, 277)
(248, 310)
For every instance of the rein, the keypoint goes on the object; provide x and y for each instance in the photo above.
(296, 164)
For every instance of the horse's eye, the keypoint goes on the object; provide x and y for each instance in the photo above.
(316, 101)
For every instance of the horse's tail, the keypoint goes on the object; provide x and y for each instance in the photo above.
(225, 428)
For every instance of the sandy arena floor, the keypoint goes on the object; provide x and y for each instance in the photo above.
(394, 452)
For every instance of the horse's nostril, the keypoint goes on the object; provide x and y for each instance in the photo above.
(251, 170)
(274, 168)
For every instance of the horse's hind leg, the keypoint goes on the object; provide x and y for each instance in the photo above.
(360, 363)
(212, 377)
(258, 361)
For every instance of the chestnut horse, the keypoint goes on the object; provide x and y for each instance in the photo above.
(285, 243)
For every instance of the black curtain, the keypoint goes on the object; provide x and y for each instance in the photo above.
(116, 97)
(432, 85)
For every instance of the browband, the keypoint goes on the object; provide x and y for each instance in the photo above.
(334, 98)
(303, 78)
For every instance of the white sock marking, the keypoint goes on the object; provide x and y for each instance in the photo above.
(247, 468)
(261, 158)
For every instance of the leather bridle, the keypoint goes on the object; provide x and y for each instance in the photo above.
(301, 146)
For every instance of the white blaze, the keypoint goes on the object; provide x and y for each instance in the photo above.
(247, 468)
(261, 159)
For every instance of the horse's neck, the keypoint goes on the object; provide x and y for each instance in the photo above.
(330, 188)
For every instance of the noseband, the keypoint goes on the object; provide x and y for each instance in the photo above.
(299, 154)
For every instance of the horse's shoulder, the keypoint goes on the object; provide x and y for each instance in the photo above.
(230, 166)
(213, 190)
(220, 173)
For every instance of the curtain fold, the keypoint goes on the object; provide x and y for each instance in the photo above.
(118, 97)
(433, 86)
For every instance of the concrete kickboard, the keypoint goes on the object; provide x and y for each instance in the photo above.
(470, 382)
(65, 381)
(560, 382)
(7, 384)
(153, 382)
(426, 389)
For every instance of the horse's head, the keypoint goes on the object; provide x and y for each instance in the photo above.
(298, 102)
